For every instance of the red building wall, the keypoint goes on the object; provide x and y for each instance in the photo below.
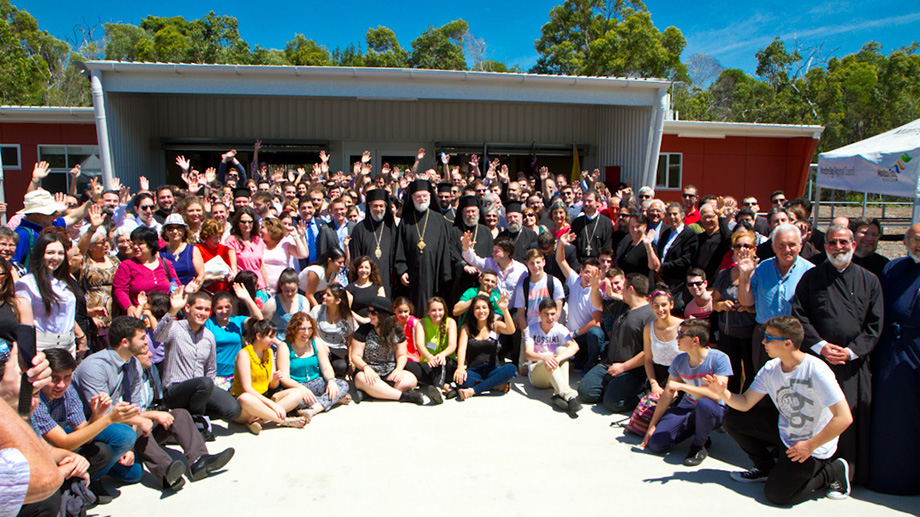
(29, 136)
(741, 166)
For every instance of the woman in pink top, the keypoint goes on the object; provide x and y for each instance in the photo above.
(145, 272)
(246, 241)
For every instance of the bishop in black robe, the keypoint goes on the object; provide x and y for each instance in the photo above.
(482, 246)
(845, 308)
(368, 234)
(422, 249)
(524, 238)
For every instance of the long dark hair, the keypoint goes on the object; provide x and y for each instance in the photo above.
(472, 325)
(336, 291)
(235, 223)
(333, 253)
(8, 287)
(389, 330)
(40, 272)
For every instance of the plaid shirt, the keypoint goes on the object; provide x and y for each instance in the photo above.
(66, 412)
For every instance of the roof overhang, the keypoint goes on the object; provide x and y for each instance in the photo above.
(705, 129)
(46, 114)
(389, 84)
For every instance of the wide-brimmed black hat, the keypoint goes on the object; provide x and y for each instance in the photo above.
(381, 305)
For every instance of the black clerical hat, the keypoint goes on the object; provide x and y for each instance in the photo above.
(467, 201)
(418, 185)
(515, 207)
(377, 194)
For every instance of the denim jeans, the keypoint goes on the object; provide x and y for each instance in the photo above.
(486, 377)
(119, 438)
(619, 394)
(593, 344)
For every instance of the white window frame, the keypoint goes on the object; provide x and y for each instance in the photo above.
(680, 172)
(18, 166)
(66, 171)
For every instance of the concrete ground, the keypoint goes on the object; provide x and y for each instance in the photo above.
(491, 455)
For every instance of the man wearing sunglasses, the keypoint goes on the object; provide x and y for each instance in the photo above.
(840, 305)
(144, 207)
(690, 198)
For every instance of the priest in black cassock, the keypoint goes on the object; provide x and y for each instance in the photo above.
(446, 197)
(840, 305)
(592, 230)
(468, 220)
(524, 238)
(375, 236)
(423, 257)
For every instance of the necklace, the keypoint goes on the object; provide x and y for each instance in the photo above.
(377, 252)
(421, 234)
(597, 219)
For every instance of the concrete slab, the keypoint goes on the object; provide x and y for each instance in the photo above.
(491, 455)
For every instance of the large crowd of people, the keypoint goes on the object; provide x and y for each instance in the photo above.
(265, 296)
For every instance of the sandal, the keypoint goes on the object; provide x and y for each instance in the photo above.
(297, 422)
(465, 393)
(305, 414)
(254, 427)
(344, 401)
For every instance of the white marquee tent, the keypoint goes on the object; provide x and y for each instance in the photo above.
(888, 164)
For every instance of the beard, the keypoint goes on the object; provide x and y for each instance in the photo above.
(514, 227)
(421, 207)
(471, 221)
(840, 260)
(915, 256)
(375, 218)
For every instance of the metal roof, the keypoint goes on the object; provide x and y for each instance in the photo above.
(46, 114)
(708, 129)
(397, 84)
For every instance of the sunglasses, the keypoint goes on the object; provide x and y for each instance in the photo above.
(371, 312)
(689, 195)
(145, 207)
(743, 246)
(681, 333)
(768, 337)
(246, 222)
(695, 284)
(779, 201)
(645, 196)
(749, 203)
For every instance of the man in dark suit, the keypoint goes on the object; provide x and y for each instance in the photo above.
(340, 227)
(676, 248)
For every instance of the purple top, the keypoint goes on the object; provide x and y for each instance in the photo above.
(132, 278)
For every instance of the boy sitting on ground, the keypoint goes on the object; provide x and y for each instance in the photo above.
(548, 345)
(700, 411)
(812, 414)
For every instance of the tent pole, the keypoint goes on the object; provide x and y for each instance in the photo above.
(915, 214)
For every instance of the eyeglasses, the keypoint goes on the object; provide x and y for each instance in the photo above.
(246, 222)
(768, 337)
(749, 203)
(698, 283)
(779, 201)
(838, 242)
(689, 195)
(145, 207)
(681, 333)
(645, 196)
(624, 214)
(530, 215)
(743, 246)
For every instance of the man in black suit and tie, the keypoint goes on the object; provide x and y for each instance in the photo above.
(677, 246)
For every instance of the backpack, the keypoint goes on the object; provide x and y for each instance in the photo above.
(550, 286)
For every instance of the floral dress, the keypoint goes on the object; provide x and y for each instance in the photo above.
(97, 281)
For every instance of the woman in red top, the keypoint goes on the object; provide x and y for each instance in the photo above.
(219, 260)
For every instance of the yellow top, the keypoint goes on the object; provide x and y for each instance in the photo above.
(260, 372)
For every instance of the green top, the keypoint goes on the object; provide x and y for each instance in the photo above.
(471, 293)
(435, 342)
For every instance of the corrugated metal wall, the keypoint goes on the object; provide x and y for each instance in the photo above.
(138, 123)
(622, 138)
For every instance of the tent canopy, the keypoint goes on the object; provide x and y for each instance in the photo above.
(888, 163)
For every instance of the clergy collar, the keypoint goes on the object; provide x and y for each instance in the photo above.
(592, 217)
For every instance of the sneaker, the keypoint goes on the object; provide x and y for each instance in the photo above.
(559, 402)
(435, 395)
(754, 475)
(102, 495)
(573, 407)
(695, 456)
(414, 396)
(839, 489)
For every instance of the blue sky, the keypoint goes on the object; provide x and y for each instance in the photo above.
(730, 31)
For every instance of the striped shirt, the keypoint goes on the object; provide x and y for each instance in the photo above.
(188, 355)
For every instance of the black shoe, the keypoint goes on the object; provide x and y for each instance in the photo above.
(695, 456)
(573, 407)
(452, 394)
(207, 436)
(173, 479)
(839, 488)
(435, 395)
(359, 396)
(754, 475)
(209, 463)
(414, 396)
(102, 495)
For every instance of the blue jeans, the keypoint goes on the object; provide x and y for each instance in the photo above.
(119, 438)
(619, 394)
(593, 344)
(486, 377)
(686, 420)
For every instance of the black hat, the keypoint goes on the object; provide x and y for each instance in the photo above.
(381, 305)
(418, 185)
(242, 192)
(444, 187)
(514, 206)
(377, 194)
(468, 201)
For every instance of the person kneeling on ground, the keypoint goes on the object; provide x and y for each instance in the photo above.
(378, 352)
(812, 413)
(256, 383)
(548, 346)
(304, 364)
(700, 411)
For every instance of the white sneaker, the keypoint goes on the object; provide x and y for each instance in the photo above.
(839, 489)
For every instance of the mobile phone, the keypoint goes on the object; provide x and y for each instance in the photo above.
(25, 342)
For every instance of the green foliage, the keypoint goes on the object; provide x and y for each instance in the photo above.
(305, 52)
(383, 49)
(608, 38)
(440, 48)
(212, 39)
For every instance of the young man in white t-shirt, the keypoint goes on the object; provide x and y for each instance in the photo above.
(527, 305)
(812, 414)
(585, 304)
(548, 345)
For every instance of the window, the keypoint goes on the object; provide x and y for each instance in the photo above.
(669, 171)
(62, 158)
(12, 159)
